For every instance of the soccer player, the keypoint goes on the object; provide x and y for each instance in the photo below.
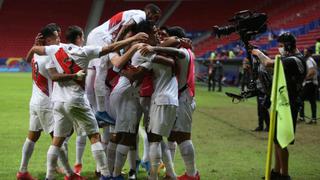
(181, 133)
(40, 103)
(111, 31)
(70, 106)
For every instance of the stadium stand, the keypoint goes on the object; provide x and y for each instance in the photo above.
(21, 20)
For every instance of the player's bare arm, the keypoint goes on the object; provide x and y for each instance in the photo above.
(163, 60)
(116, 46)
(124, 30)
(55, 76)
(163, 50)
(40, 50)
(119, 61)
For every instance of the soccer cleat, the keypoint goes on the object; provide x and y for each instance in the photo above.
(98, 174)
(104, 118)
(74, 177)
(132, 175)
(25, 176)
(120, 177)
(106, 178)
(77, 168)
(258, 129)
(167, 177)
(138, 162)
(146, 165)
(186, 177)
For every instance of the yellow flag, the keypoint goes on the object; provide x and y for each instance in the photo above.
(285, 133)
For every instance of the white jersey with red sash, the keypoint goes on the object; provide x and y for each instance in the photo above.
(42, 84)
(114, 24)
(70, 59)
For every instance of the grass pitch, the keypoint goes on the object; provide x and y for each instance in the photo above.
(226, 148)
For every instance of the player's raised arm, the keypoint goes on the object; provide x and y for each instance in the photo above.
(40, 50)
(140, 37)
(163, 60)
(163, 50)
(120, 61)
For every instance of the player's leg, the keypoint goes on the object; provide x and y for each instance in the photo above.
(81, 142)
(90, 78)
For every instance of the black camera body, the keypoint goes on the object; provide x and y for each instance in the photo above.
(246, 23)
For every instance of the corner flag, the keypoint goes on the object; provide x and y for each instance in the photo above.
(280, 109)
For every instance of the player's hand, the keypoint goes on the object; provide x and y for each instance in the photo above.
(255, 52)
(186, 43)
(141, 37)
(146, 50)
(80, 75)
(39, 41)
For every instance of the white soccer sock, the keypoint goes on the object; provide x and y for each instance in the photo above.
(27, 151)
(100, 157)
(132, 159)
(172, 146)
(63, 158)
(146, 147)
(166, 157)
(105, 138)
(121, 156)
(187, 153)
(64, 149)
(52, 157)
(111, 155)
(80, 146)
(155, 159)
(101, 103)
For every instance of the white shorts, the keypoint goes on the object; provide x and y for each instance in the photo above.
(162, 119)
(128, 111)
(184, 113)
(94, 63)
(41, 119)
(145, 107)
(80, 116)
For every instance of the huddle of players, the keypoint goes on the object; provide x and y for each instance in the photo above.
(154, 78)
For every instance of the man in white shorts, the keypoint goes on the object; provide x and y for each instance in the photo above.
(40, 104)
(181, 133)
(111, 31)
(70, 107)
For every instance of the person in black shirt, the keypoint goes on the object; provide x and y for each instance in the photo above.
(295, 71)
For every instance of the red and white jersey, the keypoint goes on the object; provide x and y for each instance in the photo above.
(70, 59)
(114, 24)
(124, 84)
(186, 71)
(42, 84)
(165, 85)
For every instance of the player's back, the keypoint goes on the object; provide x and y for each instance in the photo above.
(42, 84)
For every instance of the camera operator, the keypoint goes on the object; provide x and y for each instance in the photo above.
(295, 70)
(310, 87)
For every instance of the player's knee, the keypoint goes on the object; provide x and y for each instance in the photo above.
(94, 138)
(128, 139)
(179, 137)
(154, 137)
(34, 135)
(58, 141)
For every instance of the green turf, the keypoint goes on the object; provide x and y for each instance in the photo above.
(226, 148)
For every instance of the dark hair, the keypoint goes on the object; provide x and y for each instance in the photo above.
(55, 26)
(47, 32)
(176, 31)
(154, 9)
(288, 40)
(72, 33)
(143, 26)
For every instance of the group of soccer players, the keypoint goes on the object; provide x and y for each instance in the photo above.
(128, 69)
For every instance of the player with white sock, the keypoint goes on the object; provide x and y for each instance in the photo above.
(70, 106)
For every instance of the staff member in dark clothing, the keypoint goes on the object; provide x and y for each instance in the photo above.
(295, 70)
(310, 87)
(218, 72)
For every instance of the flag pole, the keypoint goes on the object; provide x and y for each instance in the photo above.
(272, 118)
